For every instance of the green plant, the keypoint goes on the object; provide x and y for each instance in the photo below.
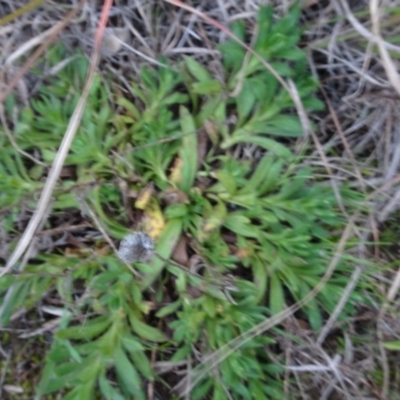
(268, 222)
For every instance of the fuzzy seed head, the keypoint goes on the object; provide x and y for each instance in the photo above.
(136, 247)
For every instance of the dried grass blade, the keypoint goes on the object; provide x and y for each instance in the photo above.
(21, 11)
(35, 56)
(388, 63)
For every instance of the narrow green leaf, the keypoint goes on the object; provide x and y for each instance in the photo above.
(72, 351)
(395, 345)
(131, 344)
(83, 391)
(276, 294)
(181, 354)
(207, 87)
(80, 372)
(108, 391)
(282, 68)
(214, 291)
(18, 294)
(145, 331)
(260, 278)
(47, 384)
(122, 101)
(247, 200)
(219, 392)
(272, 178)
(269, 144)
(87, 330)
(259, 175)
(313, 104)
(209, 307)
(142, 363)
(241, 225)
(201, 390)
(280, 125)
(314, 314)
(188, 152)
(197, 70)
(165, 246)
(245, 100)
(213, 219)
(176, 98)
(127, 373)
(169, 309)
(227, 180)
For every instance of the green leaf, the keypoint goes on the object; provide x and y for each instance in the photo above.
(176, 211)
(105, 279)
(145, 331)
(265, 21)
(201, 390)
(213, 219)
(142, 363)
(214, 291)
(209, 307)
(169, 309)
(272, 178)
(232, 52)
(314, 314)
(280, 125)
(176, 98)
(18, 294)
(84, 391)
(313, 104)
(227, 180)
(395, 345)
(181, 282)
(219, 392)
(136, 294)
(108, 391)
(260, 278)
(131, 344)
(72, 351)
(123, 102)
(259, 175)
(181, 354)
(241, 225)
(148, 78)
(87, 330)
(269, 144)
(256, 389)
(207, 87)
(47, 381)
(197, 70)
(245, 100)
(276, 298)
(283, 69)
(290, 22)
(127, 373)
(165, 246)
(80, 372)
(188, 152)
(292, 54)
(247, 200)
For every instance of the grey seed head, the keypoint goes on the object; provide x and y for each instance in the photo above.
(137, 246)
